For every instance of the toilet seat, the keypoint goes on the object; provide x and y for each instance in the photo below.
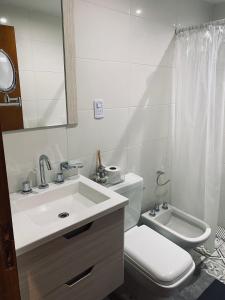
(162, 261)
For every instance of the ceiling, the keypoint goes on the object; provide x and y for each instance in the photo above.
(215, 1)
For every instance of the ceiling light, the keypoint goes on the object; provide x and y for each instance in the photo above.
(3, 20)
(138, 11)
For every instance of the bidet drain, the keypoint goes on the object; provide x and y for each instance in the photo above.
(63, 215)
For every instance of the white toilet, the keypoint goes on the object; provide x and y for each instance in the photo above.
(150, 257)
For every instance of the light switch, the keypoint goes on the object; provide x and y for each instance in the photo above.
(98, 109)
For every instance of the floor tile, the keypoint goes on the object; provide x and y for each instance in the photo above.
(220, 233)
(218, 242)
(214, 269)
(222, 249)
(197, 257)
(202, 250)
(219, 255)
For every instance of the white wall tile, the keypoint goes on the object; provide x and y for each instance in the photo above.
(150, 85)
(30, 144)
(105, 80)
(50, 85)
(153, 153)
(156, 11)
(51, 113)
(41, 24)
(104, 36)
(23, 148)
(148, 123)
(24, 54)
(193, 12)
(122, 6)
(105, 134)
(218, 11)
(27, 85)
(47, 57)
(151, 42)
(30, 113)
(145, 161)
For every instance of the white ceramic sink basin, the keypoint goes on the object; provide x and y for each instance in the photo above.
(45, 214)
(66, 201)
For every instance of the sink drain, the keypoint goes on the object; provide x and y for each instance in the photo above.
(63, 215)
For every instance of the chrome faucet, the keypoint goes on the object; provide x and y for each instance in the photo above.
(44, 159)
(71, 165)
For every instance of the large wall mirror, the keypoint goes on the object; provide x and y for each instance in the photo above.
(36, 39)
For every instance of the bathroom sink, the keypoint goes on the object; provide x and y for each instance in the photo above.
(45, 214)
(65, 202)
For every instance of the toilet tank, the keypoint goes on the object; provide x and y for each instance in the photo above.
(131, 188)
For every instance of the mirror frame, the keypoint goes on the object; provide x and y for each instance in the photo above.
(13, 85)
(68, 8)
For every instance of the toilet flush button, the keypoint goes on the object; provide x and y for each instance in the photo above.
(98, 109)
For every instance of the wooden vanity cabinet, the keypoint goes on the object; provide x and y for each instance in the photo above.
(84, 264)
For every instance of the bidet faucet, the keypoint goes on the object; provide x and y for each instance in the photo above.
(165, 205)
(44, 159)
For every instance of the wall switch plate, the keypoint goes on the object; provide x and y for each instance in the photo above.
(98, 109)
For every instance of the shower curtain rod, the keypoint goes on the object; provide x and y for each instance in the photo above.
(194, 27)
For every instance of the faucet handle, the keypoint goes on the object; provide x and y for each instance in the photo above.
(73, 164)
(152, 212)
(59, 178)
(165, 205)
(157, 207)
(76, 164)
(26, 187)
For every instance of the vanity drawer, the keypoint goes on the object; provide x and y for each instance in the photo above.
(95, 283)
(49, 266)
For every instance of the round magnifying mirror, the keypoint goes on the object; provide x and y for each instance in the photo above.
(7, 73)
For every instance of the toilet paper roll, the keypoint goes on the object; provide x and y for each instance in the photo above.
(113, 174)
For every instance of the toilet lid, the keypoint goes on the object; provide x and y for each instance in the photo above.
(156, 256)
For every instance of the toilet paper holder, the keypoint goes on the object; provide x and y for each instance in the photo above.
(160, 173)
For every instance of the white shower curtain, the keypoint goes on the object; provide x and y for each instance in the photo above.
(198, 123)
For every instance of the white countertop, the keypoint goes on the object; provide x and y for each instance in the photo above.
(29, 235)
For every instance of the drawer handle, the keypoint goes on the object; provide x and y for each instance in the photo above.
(77, 231)
(79, 277)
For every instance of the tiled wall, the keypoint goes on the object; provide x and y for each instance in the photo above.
(125, 59)
(218, 11)
(40, 59)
